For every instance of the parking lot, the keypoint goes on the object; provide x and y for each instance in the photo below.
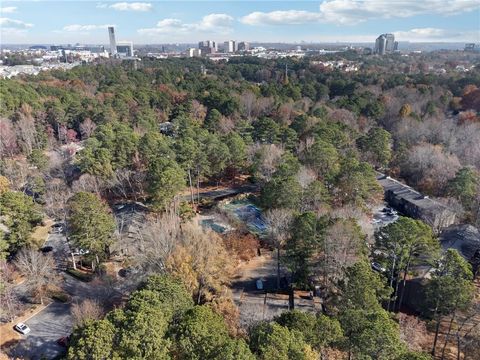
(46, 327)
(384, 215)
(55, 320)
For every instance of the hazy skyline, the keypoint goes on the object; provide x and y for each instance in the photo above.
(267, 21)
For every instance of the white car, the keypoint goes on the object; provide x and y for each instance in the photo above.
(22, 328)
(78, 252)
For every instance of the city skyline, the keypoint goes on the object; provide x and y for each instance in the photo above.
(263, 21)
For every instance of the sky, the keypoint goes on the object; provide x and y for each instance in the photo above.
(155, 22)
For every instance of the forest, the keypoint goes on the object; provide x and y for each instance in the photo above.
(308, 140)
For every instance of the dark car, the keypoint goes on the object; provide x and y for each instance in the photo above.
(57, 228)
(63, 341)
(46, 249)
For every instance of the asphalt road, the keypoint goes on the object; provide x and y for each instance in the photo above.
(55, 320)
(46, 327)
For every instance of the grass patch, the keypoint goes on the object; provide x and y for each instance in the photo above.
(40, 233)
(80, 275)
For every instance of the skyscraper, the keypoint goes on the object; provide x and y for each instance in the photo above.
(384, 44)
(230, 46)
(113, 43)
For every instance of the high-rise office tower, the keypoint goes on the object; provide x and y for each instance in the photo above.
(113, 43)
(385, 43)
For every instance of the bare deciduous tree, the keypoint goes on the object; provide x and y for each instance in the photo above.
(278, 222)
(247, 103)
(9, 302)
(342, 248)
(38, 269)
(56, 198)
(413, 332)
(157, 241)
(87, 127)
(266, 158)
(198, 111)
(85, 311)
(202, 261)
(8, 139)
(25, 128)
(429, 167)
(88, 183)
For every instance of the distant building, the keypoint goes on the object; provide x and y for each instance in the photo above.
(38, 47)
(230, 46)
(113, 43)
(469, 47)
(124, 49)
(192, 52)
(367, 51)
(395, 46)
(243, 46)
(385, 44)
(410, 202)
(207, 47)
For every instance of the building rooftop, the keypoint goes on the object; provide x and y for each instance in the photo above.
(464, 238)
(409, 194)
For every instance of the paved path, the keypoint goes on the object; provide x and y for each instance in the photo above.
(221, 193)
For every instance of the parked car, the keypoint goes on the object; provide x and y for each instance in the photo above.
(127, 272)
(63, 341)
(22, 328)
(377, 267)
(46, 249)
(57, 228)
(78, 252)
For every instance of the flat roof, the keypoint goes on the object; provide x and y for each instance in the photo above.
(409, 194)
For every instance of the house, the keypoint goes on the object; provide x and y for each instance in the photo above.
(411, 203)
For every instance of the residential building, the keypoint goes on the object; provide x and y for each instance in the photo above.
(243, 46)
(410, 202)
(207, 47)
(124, 49)
(192, 52)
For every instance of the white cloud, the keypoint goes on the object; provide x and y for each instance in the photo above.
(131, 6)
(84, 28)
(220, 23)
(6, 23)
(351, 12)
(8, 9)
(288, 17)
(435, 34)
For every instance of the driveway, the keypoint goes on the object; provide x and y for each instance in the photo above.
(55, 320)
(49, 325)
